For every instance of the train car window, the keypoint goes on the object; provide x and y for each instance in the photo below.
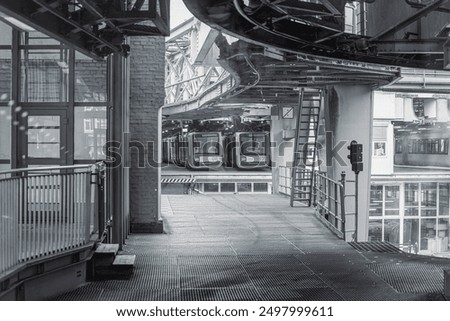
(206, 144)
(419, 107)
(253, 143)
(398, 146)
(428, 146)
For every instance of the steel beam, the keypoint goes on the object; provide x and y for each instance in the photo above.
(406, 22)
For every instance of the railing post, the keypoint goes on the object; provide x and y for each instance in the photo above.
(336, 195)
(342, 196)
(314, 189)
(100, 191)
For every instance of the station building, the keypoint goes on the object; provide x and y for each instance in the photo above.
(410, 171)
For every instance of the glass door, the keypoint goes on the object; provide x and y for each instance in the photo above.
(44, 138)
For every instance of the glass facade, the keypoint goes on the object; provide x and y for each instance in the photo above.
(235, 188)
(44, 133)
(59, 114)
(90, 80)
(90, 133)
(411, 215)
(44, 75)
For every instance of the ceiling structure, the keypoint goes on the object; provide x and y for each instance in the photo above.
(96, 28)
(260, 77)
(415, 37)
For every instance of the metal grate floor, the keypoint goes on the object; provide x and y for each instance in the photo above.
(412, 277)
(380, 247)
(255, 247)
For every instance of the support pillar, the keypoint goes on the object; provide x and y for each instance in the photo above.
(350, 113)
(146, 97)
(282, 134)
(118, 119)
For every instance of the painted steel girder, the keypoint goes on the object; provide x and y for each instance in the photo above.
(95, 28)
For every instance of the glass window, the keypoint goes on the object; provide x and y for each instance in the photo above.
(244, 187)
(5, 167)
(5, 76)
(411, 232)
(90, 133)
(44, 137)
(444, 199)
(260, 187)
(429, 195)
(392, 200)
(90, 79)
(376, 200)
(427, 232)
(6, 32)
(443, 233)
(206, 144)
(398, 146)
(411, 199)
(392, 231)
(411, 211)
(375, 230)
(227, 187)
(253, 144)
(44, 75)
(5, 133)
(211, 187)
(379, 149)
(37, 38)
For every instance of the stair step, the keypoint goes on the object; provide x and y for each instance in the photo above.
(121, 268)
(124, 261)
(104, 254)
(107, 249)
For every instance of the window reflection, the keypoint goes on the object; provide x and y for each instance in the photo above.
(375, 230)
(90, 133)
(44, 139)
(376, 200)
(90, 79)
(44, 75)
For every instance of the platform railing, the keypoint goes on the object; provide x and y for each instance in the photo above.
(46, 211)
(284, 180)
(329, 201)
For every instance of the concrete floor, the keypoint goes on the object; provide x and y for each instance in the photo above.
(255, 247)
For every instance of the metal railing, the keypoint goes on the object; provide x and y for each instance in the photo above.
(329, 200)
(284, 180)
(328, 197)
(45, 211)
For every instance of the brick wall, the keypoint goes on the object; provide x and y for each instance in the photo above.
(146, 96)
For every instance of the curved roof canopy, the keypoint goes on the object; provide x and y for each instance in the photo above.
(406, 33)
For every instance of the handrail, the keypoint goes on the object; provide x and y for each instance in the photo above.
(329, 200)
(323, 175)
(53, 168)
(44, 214)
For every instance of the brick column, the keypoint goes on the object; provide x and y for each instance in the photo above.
(147, 67)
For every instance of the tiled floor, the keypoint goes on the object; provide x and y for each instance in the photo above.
(255, 247)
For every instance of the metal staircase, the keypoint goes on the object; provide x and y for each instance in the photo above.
(305, 147)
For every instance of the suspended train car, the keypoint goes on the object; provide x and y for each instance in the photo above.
(247, 150)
